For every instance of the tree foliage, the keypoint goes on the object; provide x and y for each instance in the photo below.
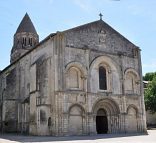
(150, 95)
(149, 76)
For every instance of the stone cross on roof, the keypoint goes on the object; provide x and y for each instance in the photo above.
(100, 16)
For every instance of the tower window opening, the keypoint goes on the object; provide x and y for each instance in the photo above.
(30, 41)
(24, 41)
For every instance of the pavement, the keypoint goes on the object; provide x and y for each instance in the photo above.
(106, 138)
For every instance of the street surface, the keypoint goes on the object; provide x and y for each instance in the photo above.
(107, 138)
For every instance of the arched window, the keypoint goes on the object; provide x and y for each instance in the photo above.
(102, 78)
(74, 78)
(131, 83)
(24, 41)
(75, 75)
(30, 41)
(49, 122)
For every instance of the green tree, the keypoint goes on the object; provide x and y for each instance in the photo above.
(149, 76)
(150, 95)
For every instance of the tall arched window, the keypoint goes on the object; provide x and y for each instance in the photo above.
(74, 78)
(30, 41)
(131, 82)
(24, 41)
(102, 78)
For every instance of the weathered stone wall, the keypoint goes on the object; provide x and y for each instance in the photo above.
(42, 91)
(89, 46)
(85, 123)
(55, 88)
(100, 37)
(26, 90)
(151, 118)
(9, 98)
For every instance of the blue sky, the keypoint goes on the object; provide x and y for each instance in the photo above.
(134, 19)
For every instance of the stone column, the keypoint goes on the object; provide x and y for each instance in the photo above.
(65, 124)
(33, 115)
(123, 98)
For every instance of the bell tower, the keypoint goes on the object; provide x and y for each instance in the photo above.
(25, 38)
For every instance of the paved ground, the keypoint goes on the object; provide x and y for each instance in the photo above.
(109, 138)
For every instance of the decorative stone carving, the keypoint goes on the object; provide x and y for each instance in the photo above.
(102, 37)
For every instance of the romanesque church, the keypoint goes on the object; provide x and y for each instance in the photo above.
(81, 81)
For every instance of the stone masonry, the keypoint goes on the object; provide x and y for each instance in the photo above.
(85, 80)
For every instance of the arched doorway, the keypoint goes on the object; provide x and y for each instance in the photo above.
(106, 116)
(101, 122)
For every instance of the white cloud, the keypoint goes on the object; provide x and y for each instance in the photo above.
(135, 9)
(84, 4)
(149, 67)
(39, 1)
(51, 1)
(140, 10)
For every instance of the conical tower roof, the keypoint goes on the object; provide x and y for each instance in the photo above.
(26, 25)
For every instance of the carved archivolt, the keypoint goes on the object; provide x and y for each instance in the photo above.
(108, 104)
(76, 109)
(132, 110)
(112, 75)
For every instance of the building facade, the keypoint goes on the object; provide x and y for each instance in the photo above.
(85, 80)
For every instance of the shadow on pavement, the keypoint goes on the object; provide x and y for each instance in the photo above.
(27, 138)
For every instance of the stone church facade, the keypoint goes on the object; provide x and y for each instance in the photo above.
(85, 80)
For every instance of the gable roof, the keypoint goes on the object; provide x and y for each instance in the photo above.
(99, 23)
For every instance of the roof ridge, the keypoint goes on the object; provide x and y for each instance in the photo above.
(76, 27)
